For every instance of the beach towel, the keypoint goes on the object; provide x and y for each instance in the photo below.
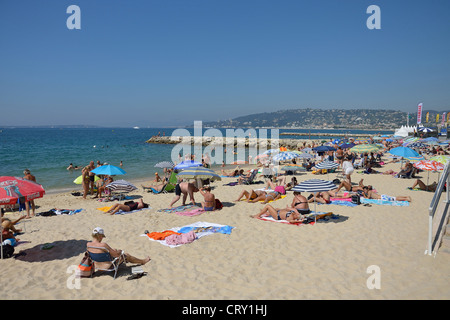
(105, 209)
(57, 212)
(310, 218)
(200, 229)
(340, 202)
(385, 202)
(186, 207)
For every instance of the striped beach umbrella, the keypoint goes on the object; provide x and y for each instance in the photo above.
(314, 185)
(327, 164)
(164, 164)
(121, 186)
(363, 148)
(199, 173)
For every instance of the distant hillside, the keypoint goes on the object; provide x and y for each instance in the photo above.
(326, 118)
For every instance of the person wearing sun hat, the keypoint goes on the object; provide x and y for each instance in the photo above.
(96, 246)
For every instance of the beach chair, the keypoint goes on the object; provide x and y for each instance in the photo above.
(104, 262)
(250, 179)
(170, 186)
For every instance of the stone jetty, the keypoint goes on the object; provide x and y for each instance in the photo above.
(232, 142)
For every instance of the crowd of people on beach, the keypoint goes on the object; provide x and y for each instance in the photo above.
(276, 186)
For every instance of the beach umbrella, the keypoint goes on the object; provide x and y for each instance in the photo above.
(283, 156)
(347, 145)
(121, 186)
(324, 149)
(271, 151)
(416, 144)
(108, 170)
(404, 152)
(199, 173)
(293, 167)
(306, 149)
(424, 129)
(442, 159)
(363, 148)
(14, 188)
(327, 164)
(430, 139)
(305, 156)
(314, 185)
(187, 164)
(79, 180)
(164, 164)
(429, 165)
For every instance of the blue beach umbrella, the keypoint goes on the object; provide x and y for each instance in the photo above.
(404, 152)
(286, 155)
(187, 164)
(324, 148)
(109, 170)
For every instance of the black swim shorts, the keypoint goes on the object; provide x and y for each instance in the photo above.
(177, 190)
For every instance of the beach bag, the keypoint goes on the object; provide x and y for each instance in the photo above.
(86, 266)
(219, 204)
(8, 251)
(356, 199)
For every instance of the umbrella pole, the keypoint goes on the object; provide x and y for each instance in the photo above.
(1, 241)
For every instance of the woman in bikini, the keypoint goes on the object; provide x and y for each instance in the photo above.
(300, 203)
(128, 206)
(291, 215)
(259, 195)
(210, 201)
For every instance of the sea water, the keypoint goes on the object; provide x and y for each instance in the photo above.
(47, 152)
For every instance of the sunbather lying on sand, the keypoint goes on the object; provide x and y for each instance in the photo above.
(259, 195)
(128, 206)
(423, 186)
(289, 214)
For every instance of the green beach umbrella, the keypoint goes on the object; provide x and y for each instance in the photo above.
(79, 180)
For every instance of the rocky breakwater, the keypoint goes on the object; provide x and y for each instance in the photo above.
(231, 142)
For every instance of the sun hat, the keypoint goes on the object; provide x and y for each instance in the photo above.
(99, 230)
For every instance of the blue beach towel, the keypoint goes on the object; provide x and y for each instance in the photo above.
(386, 203)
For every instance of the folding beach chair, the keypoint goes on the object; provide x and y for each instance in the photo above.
(104, 261)
(250, 179)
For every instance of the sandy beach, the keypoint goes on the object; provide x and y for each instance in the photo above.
(257, 260)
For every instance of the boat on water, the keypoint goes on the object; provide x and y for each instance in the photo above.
(136, 128)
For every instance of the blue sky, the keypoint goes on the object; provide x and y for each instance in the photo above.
(167, 62)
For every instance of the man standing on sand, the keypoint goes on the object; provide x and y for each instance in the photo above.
(29, 176)
(184, 188)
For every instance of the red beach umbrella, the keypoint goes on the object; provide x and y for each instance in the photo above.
(429, 165)
(14, 188)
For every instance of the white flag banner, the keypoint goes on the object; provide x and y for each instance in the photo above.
(419, 113)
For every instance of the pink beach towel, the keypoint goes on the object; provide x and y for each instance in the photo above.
(191, 213)
(184, 238)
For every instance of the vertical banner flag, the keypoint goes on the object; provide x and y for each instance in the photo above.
(448, 114)
(437, 118)
(443, 119)
(428, 114)
(419, 113)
